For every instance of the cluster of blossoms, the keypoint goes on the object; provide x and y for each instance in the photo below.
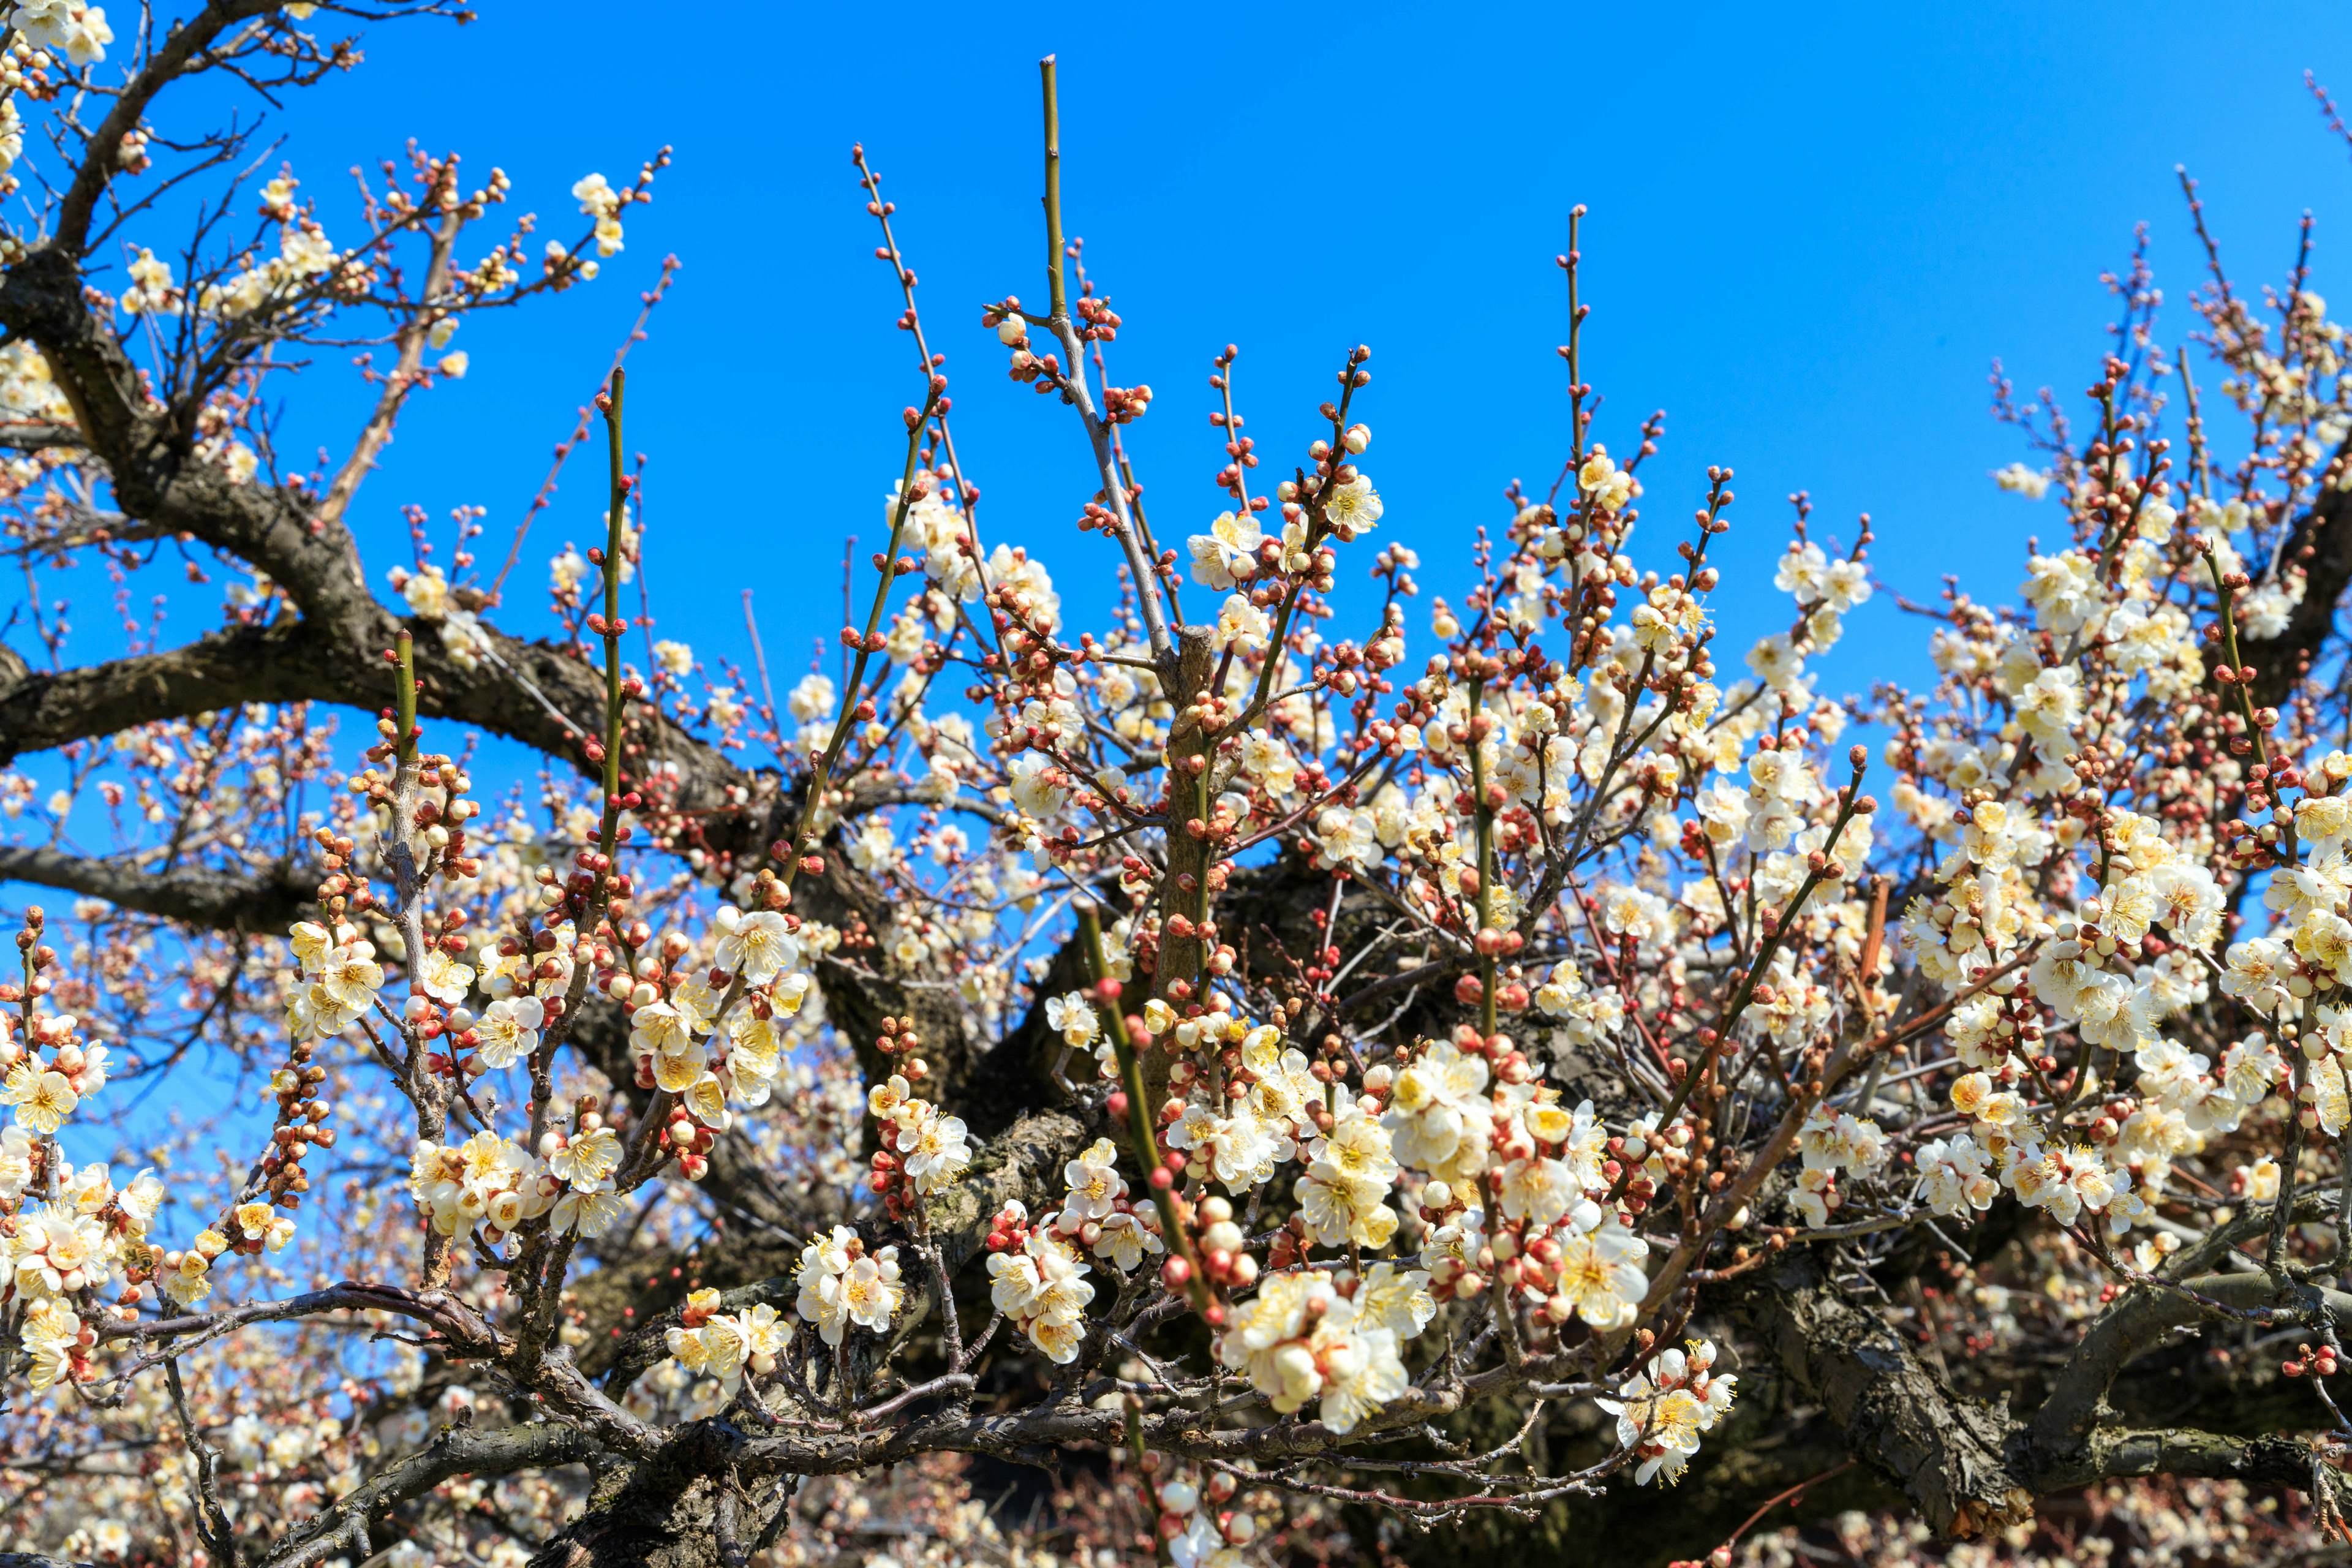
(48, 1072)
(709, 1033)
(843, 1283)
(1098, 1214)
(67, 27)
(921, 1151)
(1037, 1275)
(1833, 1144)
(725, 1345)
(493, 1185)
(1196, 1524)
(65, 1247)
(67, 1232)
(339, 978)
(1313, 1335)
(1661, 1411)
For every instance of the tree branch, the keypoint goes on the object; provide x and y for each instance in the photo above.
(1945, 1451)
(456, 1452)
(262, 904)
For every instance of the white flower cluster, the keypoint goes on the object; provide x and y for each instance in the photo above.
(931, 1149)
(494, 1183)
(1073, 1018)
(1098, 1213)
(28, 392)
(340, 979)
(185, 1273)
(1198, 1531)
(1241, 1141)
(1037, 1270)
(152, 292)
(79, 1240)
(678, 1039)
(304, 255)
(841, 1283)
(55, 1339)
(725, 1345)
(2019, 479)
(67, 28)
(44, 1081)
(600, 201)
(1314, 1335)
(1039, 1284)
(1586, 1015)
(2107, 973)
(1661, 1410)
(1833, 1143)
(431, 596)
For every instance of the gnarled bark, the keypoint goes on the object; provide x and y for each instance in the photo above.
(1947, 1453)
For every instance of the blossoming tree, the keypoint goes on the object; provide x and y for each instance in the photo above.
(1293, 1082)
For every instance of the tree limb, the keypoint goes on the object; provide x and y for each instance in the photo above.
(1944, 1450)
(263, 904)
(457, 1451)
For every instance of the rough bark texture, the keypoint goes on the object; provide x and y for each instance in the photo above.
(1945, 1452)
(662, 1515)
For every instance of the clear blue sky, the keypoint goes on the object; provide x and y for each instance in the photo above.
(1807, 239)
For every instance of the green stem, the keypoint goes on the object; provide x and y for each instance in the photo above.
(1486, 819)
(1140, 1142)
(404, 700)
(1060, 302)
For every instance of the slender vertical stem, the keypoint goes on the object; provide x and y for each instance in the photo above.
(537, 1276)
(1058, 291)
(821, 775)
(1149, 601)
(406, 854)
(1486, 819)
(1142, 1146)
(404, 648)
(1575, 345)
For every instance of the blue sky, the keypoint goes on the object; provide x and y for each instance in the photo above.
(1808, 237)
